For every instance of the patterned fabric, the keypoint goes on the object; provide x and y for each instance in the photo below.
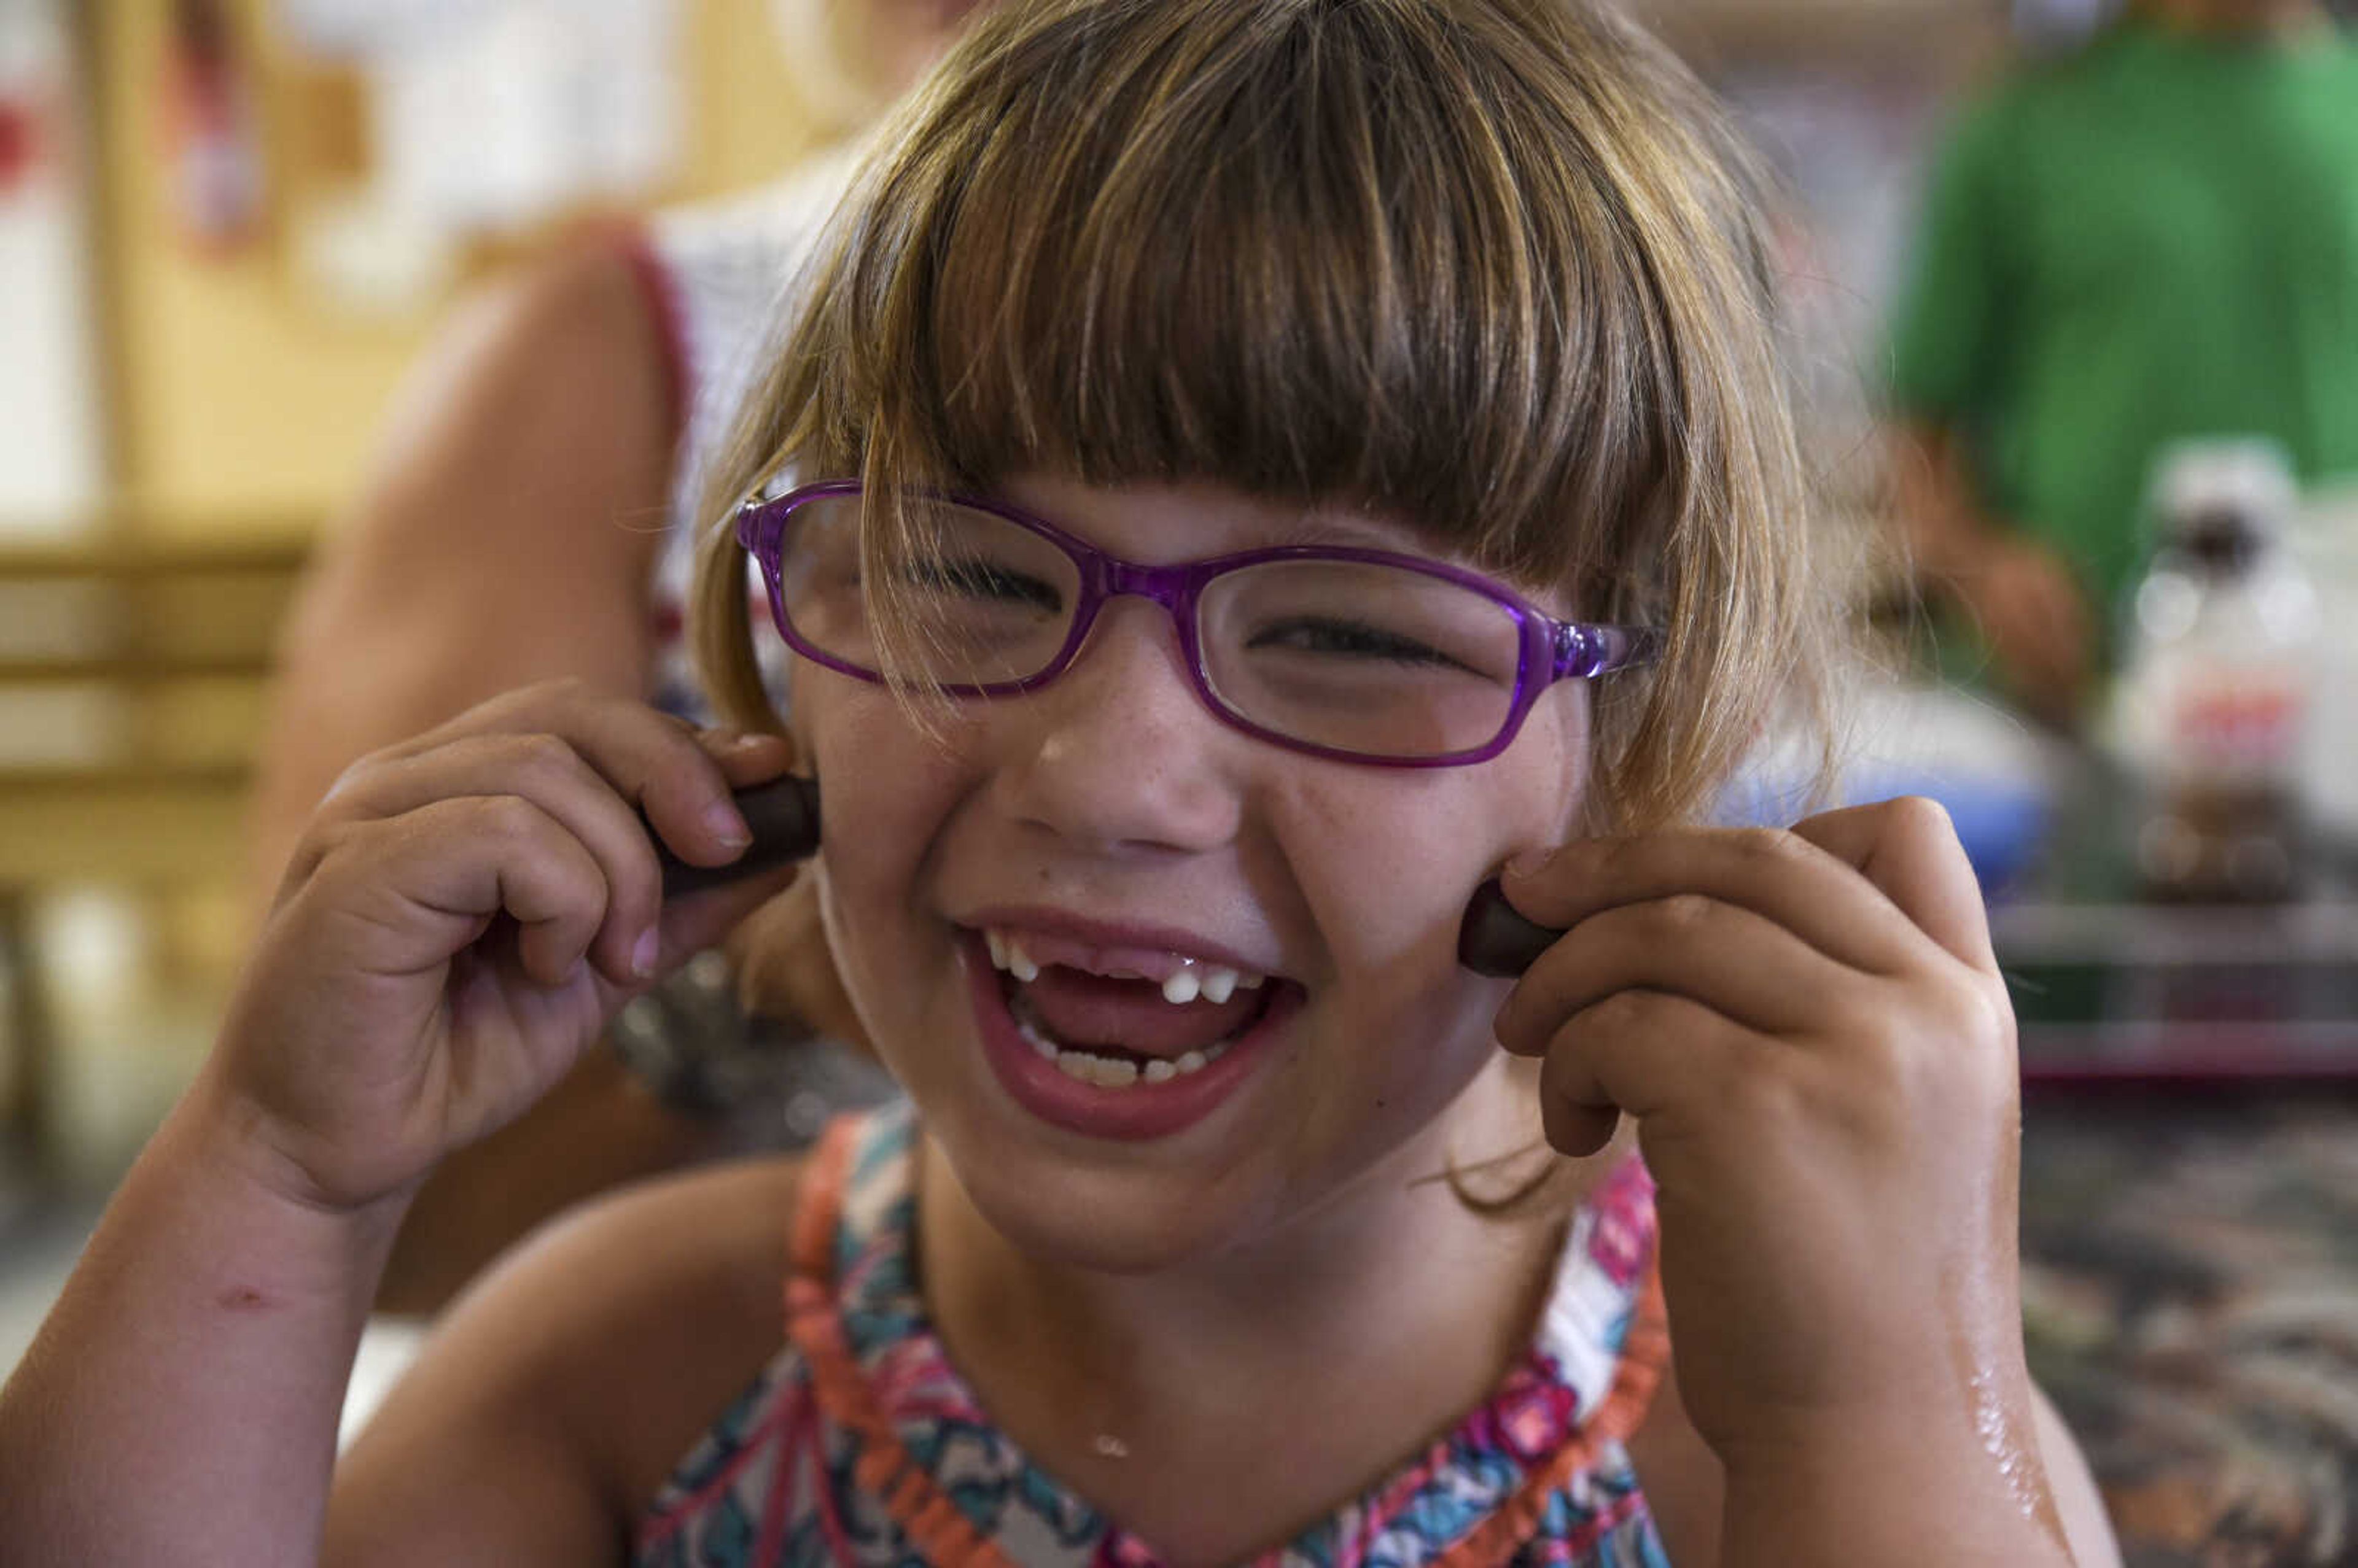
(723, 279)
(2189, 1289)
(860, 1443)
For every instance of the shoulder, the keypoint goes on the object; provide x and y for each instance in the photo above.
(554, 383)
(516, 496)
(776, 220)
(2035, 107)
(558, 1395)
(664, 1300)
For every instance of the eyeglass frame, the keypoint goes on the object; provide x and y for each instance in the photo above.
(1567, 650)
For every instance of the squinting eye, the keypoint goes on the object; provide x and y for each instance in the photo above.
(1351, 640)
(981, 580)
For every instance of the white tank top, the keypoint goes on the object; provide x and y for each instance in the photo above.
(725, 279)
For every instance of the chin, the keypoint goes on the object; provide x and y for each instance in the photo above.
(1101, 1233)
(1116, 1217)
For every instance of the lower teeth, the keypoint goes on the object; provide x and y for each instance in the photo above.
(1113, 1073)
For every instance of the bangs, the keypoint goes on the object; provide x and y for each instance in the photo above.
(1312, 252)
(1491, 269)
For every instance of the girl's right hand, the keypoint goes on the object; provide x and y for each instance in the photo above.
(460, 918)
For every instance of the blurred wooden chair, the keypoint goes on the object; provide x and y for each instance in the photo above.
(133, 681)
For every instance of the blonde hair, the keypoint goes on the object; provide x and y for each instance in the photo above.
(1495, 269)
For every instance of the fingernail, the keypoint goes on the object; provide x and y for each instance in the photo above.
(644, 952)
(737, 745)
(1530, 863)
(724, 822)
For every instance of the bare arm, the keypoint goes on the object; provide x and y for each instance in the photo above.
(1940, 521)
(2024, 598)
(505, 537)
(459, 924)
(206, 1290)
(200, 1352)
(1687, 1487)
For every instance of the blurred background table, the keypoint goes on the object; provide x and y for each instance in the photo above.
(2189, 1208)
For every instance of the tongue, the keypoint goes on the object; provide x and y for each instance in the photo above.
(1084, 1010)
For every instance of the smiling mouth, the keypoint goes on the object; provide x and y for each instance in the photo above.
(1124, 1030)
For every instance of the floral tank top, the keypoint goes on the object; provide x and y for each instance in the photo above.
(861, 1444)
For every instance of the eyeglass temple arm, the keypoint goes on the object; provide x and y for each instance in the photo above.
(1583, 652)
(752, 524)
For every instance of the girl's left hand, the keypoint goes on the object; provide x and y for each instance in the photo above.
(1812, 1034)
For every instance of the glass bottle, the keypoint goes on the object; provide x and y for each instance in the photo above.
(2216, 680)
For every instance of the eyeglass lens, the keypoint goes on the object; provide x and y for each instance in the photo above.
(1372, 659)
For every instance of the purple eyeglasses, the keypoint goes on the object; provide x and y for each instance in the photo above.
(1355, 655)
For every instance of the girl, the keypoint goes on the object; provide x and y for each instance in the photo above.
(1259, 445)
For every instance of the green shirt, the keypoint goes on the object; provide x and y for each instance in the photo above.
(2154, 240)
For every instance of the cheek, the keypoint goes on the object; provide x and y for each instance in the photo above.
(1555, 754)
(1386, 874)
(887, 789)
(885, 785)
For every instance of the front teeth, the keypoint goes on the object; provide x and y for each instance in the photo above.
(1007, 953)
(1108, 1073)
(1216, 983)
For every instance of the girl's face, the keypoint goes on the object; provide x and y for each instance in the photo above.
(1110, 826)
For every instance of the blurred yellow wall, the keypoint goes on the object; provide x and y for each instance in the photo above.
(240, 410)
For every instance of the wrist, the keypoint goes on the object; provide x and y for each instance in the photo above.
(234, 1150)
(1926, 1486)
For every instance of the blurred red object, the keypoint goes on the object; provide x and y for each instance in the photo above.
(20, 144)
(212, 133)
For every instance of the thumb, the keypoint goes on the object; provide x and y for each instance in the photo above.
(692, 923)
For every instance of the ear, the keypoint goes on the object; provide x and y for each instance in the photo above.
(784, 969)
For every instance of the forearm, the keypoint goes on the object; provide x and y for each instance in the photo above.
(180, 1402)
(1940, 518)
(1911, 1494)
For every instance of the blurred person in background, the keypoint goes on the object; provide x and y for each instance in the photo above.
(2151, 241)
(529, 517)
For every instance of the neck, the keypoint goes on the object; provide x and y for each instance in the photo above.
(1343, 1341)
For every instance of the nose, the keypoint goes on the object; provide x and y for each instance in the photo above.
(1119, 753)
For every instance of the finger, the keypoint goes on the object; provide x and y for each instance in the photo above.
(1643, 1054)
(1786, 877)
(426, 884)
(703, 920)
(747, 758)
(1729, 959)
(1909, 850)
(545, 769)
(651, 759)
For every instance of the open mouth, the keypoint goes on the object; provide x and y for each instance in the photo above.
(1120, 1027)
(1133, 1044)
